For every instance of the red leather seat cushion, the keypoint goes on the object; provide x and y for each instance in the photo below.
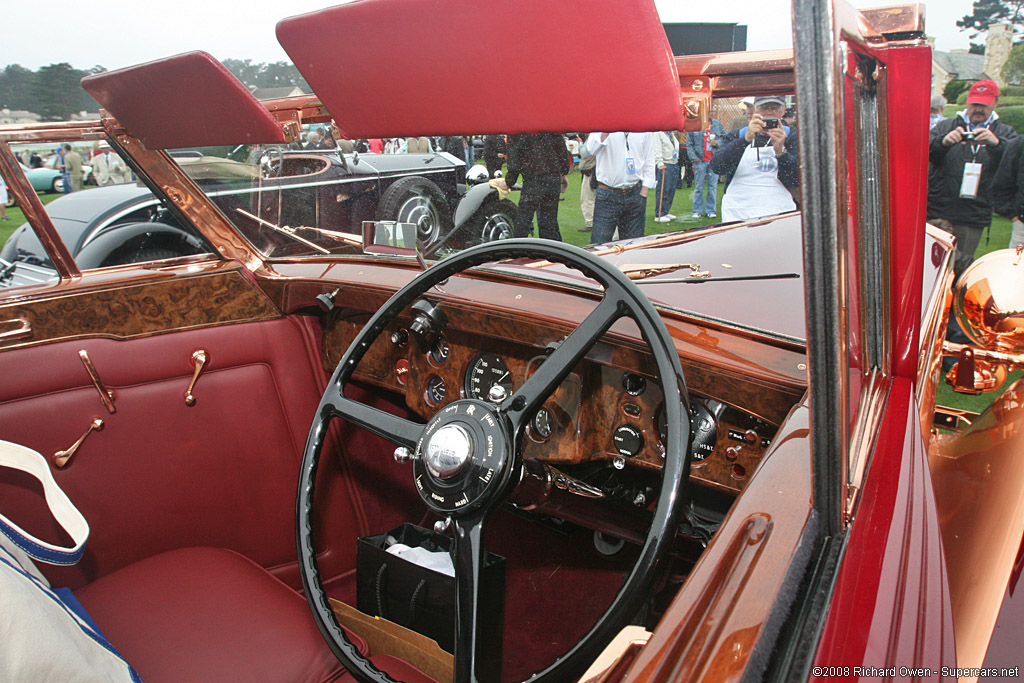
(398, 669)
(208, 614)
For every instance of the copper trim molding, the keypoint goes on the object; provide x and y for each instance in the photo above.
(61, 458)
(106, 395)
(20, 329)
(199, 360)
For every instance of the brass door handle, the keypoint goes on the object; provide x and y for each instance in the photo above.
(61, 458)
(106, 395)
(199, 360)
(19, 328)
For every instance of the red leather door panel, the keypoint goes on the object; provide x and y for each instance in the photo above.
(161, 474)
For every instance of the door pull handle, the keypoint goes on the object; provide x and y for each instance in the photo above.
(199, 360)
(61, 458)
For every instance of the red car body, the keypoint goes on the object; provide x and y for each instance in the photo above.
(848, 537)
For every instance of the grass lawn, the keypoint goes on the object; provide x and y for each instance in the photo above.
(18, 217)
(570, 216)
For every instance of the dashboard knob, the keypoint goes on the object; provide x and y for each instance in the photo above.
(441, 525)
(496, 394)
(402, 455)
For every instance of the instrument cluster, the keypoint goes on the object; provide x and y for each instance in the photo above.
(601, 412)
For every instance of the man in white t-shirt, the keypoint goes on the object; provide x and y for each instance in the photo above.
(625, 175)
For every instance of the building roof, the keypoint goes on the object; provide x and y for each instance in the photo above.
(962, 66)
(274, 93)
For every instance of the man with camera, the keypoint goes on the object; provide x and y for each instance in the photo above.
(965, 152)
(762, 159)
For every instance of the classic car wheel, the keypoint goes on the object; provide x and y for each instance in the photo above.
(57, 185)
(455, 488)
(498, 220)
(417, 200)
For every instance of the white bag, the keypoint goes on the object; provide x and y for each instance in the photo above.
(45, 635)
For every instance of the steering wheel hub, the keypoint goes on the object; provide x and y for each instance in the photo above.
(462, 457)
(449, 449)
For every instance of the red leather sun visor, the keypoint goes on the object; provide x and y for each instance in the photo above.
(183, 101)
(386, 68)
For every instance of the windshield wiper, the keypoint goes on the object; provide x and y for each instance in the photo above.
(721, 278)
(342, 237)
(641, 271)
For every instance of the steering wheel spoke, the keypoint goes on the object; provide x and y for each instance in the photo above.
(397, 430)
(468, 553)
(552, 372)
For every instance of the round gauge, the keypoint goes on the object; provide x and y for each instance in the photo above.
(633, 384)
(439, 350)
(703, 430)
(540, 425)
(485, 371)
(435, 390)
(628, 440)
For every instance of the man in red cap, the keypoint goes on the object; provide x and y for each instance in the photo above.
(965, 152)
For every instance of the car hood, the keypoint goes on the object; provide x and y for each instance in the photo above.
(763, 305)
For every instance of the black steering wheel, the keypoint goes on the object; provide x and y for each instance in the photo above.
(450, 455)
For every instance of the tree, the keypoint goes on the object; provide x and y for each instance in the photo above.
(244, 70)
(1013, 70)
(988, 12)
(16, 83)
(56, 91)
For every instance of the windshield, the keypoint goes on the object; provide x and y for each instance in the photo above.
(325, 195)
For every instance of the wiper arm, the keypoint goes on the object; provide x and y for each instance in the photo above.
(640, 271)
(723, 278)
(342, 237)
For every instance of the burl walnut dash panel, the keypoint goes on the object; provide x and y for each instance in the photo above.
(590, 404)
(149, 307)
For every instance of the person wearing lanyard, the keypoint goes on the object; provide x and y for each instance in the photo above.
(625, 174)
(763, 161)
(965, 152)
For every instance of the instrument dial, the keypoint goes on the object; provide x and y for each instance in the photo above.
(540, 425)
(435, 390)
(703, 429)
(485, 371)
(439, 350)
(628, 440)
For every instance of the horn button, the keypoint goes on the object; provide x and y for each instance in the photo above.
(462, 457)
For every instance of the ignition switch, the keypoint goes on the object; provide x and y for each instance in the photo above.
(427, 321)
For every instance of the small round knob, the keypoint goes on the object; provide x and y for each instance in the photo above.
(402, 455)
(619, 462)
(496, 394)
(441, 525)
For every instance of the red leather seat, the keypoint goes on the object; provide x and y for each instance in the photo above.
(208, 614)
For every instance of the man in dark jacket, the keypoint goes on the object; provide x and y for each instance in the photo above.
(1008, 189)
(965, 152)
(494, 153)
(544, 162)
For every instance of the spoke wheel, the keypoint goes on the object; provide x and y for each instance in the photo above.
(470, 438)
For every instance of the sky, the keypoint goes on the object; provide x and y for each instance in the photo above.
(118, 33)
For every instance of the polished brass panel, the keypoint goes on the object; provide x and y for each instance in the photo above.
(199, 361)
(106, 395)
(61, 458)
(989, 301)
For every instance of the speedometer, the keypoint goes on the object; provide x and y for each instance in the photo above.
(486, 370)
